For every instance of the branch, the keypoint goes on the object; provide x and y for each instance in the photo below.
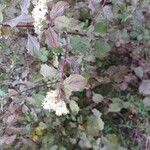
(77, 33)
(26, 90)
(31, 26)
(18, 26)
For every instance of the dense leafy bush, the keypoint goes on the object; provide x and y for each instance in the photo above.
(75, 74)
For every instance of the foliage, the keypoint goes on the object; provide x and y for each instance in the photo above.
(93, 56)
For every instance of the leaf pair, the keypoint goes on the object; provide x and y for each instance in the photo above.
(51, 35)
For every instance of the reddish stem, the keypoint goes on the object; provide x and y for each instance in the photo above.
(31, 26)
(19, 25)
(62, 67)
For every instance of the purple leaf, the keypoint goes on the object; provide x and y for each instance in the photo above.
(25, 4)
(23, 18)
(108, 13)
(9, 139)
(123, 86)
(11, 119)
(33, 45)
(93, 3)
(58, 9)
(52, 37)
(74, 82)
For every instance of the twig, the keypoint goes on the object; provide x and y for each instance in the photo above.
(36, 86)
(104, 2)
(18, 26)
(31, 26)
(77, 33)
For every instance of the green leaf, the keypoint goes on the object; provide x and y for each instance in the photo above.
(63, 22)
(94, 125)
(84, 142)
(144, 87)
(43, 125)
(38, 98)
(101, 27)
(42, 54)
(115, 107)
(102, 49)
(2, 6)
(48, 71)
(124, 16)
(74, 107)
(79, 44)
(97, 98)
(2, 93)
(139, 71)
(25, 110)
(146, 101)
(57, 50)
(33, 45)
(112, 143)
(62, 148)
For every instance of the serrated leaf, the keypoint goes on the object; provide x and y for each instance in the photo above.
(2, 93)
(84, 142)
(5, 31)
(37, 99)
(39, 131)
(107, 12)
(63, 22)
(58, 9)
(97, 98)
(25, 109)
(146, 101)
(139, 71)
(101, 27)
(114, 107)
(52, 38)
(94, 125)
(96, 113)
(43, 54)
(112, 142)
(23, 18)
(25, 4)
(93, 3)
(10, 139)
(144, 87)
(48, 72)
(74, 107)
(57, 50)
(33, 45)
(12, 119)
(1, 14)
(79, 44)
(74, 82)
(102, 49)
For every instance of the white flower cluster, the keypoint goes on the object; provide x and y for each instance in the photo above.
(53, 103)
(39, 15)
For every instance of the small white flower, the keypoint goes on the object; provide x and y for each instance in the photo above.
(39, 15)
(53, 103)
